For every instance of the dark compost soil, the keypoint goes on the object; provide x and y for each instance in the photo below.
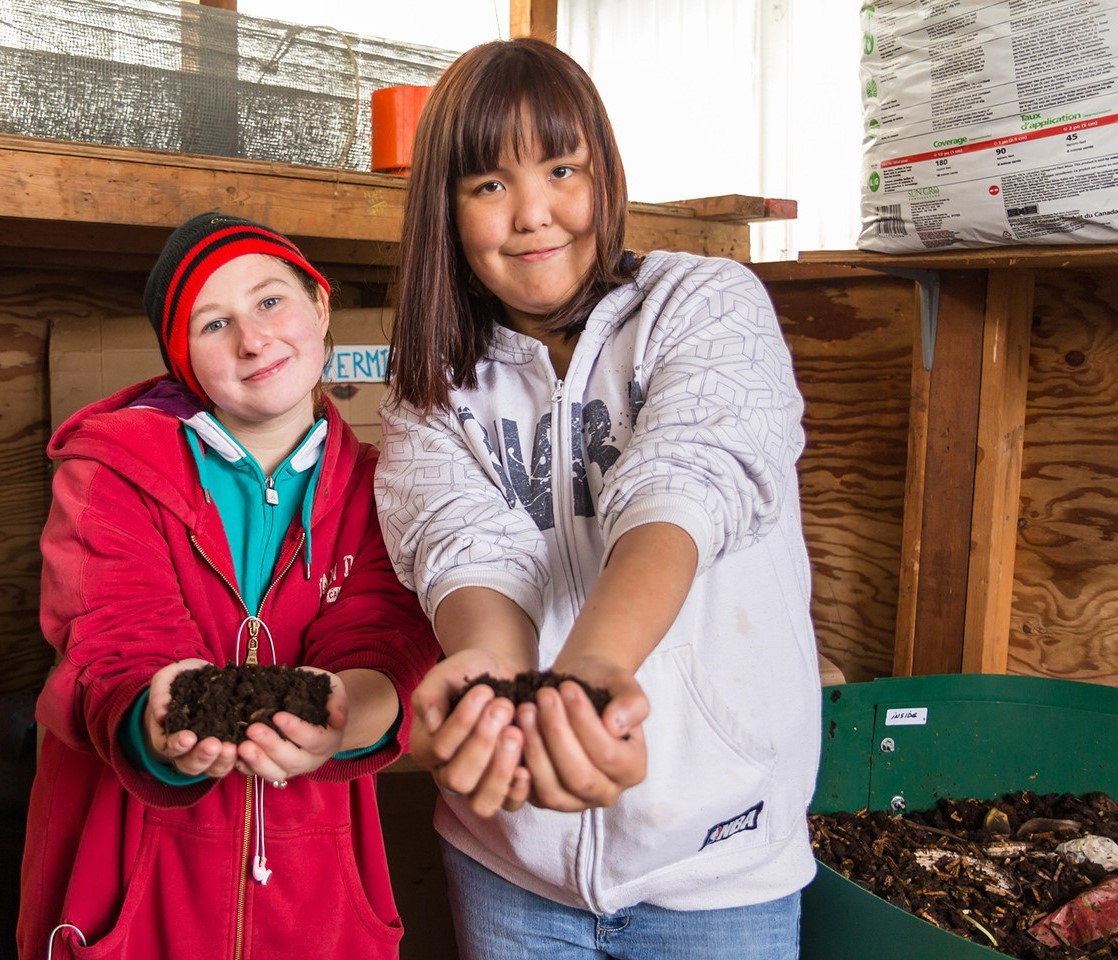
(986, 871)
(223, 701)
(522, 688)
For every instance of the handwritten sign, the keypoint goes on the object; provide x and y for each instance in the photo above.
(906, 717)
(363, 363)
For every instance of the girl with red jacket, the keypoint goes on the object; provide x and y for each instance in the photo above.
(223, 514)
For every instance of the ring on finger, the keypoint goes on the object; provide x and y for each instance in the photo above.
(279, 784)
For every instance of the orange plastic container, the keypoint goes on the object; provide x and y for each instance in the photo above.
(395, 116)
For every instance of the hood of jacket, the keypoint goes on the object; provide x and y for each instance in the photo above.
(128, 430)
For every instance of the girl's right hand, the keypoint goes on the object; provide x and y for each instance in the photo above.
(182, 749)
(473, 750)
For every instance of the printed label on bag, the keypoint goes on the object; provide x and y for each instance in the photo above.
(988, 122)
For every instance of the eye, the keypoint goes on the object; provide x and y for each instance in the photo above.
(562, 171)
(268, 302)
(214, 325)
(488, 187)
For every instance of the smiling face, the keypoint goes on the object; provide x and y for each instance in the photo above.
(527, 229)
(256, 345)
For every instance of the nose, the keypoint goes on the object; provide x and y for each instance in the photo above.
(533, 206)
(251, 338)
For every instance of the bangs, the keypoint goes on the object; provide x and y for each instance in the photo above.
(507, 98)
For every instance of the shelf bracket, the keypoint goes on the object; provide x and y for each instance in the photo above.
(928, 281)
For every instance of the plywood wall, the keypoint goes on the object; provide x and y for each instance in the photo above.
(29, 301)
(852, 340)
(852, 343)
(1065, 597)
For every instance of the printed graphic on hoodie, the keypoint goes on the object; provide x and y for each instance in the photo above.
(528, 481)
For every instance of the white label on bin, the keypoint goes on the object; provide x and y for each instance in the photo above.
(906, 717)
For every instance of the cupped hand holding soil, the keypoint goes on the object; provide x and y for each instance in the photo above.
(224, 702)
(523, 687)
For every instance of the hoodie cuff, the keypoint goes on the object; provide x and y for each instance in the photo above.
(135, 747)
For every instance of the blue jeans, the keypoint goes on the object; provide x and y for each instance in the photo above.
(497, 920)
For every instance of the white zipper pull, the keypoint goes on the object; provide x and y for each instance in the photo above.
(557, 393)
(270, 493)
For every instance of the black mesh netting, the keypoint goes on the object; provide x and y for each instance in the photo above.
(162, 75)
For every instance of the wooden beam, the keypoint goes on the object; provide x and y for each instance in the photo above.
(904, 642)
(997, 482)
(1039, 257)
(534, 18)
(87, 187)
(735, 208)
(937, 561)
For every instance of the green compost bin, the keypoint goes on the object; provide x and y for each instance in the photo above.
(957, 736)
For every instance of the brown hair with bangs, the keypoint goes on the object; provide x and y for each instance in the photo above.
(444, 317)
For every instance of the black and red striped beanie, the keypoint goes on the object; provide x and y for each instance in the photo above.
(192, 253)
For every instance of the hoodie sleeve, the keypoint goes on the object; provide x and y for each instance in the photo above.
(718, 431)
(112, 607)
(375, 624)
(449, 517)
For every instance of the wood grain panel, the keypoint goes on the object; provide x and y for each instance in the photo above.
(1065, 597)
(852, 344)
(28, 303)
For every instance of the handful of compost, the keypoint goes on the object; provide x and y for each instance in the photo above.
(523, 687)
(223, 702)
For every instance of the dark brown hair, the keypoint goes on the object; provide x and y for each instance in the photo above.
(444, 317)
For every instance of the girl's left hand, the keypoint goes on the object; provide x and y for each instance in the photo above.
(577, 759)
(303, 746)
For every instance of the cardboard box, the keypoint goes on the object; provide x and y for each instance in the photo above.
(92, 358)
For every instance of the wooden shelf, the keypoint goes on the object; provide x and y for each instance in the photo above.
(122, 202)
(1049, 257)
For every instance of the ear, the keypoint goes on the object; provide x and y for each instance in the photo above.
(322, 308)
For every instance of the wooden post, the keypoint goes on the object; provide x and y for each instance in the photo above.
(534, 18)
(904, 643)
(997, 479)
(934, 578)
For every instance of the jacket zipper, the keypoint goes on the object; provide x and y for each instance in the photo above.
(562, 491)
(562, 449)
(251, 656)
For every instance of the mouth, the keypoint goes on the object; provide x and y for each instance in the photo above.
(264, 372)
(538, 254)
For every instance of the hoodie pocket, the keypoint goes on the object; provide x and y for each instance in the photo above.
(710, 776)
(318, 903)
(175, 900)
(180, 901)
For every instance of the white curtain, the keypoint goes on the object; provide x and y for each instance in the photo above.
(758, 97)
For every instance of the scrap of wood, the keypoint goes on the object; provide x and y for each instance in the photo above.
(735, 208)
(534, 18)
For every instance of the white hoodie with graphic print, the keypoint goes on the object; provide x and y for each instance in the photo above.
(680, 406)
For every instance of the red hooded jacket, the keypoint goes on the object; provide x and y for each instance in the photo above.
(137, 574)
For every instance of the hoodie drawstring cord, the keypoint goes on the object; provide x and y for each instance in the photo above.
(62, 926)
(260, 872)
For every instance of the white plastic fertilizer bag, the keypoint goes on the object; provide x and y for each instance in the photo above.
(989, 123)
